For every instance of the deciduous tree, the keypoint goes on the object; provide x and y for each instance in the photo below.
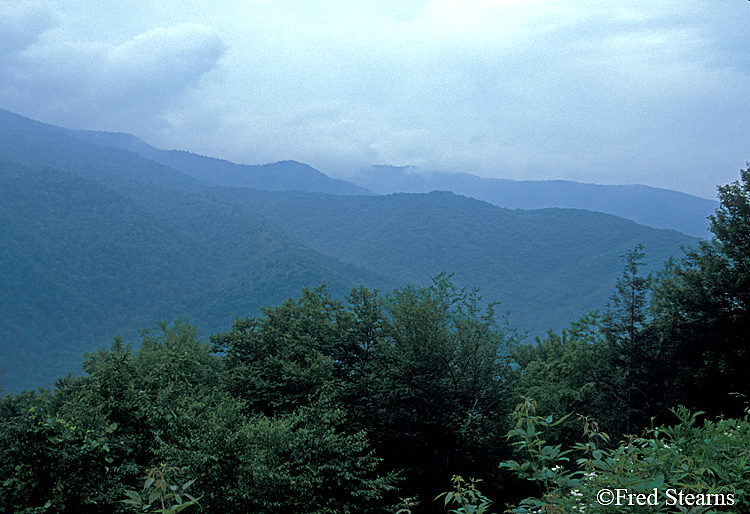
(703, 312)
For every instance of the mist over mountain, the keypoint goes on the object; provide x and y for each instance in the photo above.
(650, 206)
(654, 207)
(99, 240)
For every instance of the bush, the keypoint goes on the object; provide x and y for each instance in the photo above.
(684, 468)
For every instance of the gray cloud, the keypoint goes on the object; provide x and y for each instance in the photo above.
(22, 23)
(72, 82)
(650, 91)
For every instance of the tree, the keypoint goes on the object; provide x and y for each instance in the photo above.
(433, 392)
(625, 321)
(421, 371)
(571, 372)
(278, 361)
(605, 367)
(702, 307)
(79, 448)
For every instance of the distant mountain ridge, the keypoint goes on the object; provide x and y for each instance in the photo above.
(96, 240)
(650, 206)
(547, 266)
(278, 176)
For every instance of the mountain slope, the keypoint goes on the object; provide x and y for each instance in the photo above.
(547, 266)
(81, 263)
(112, 241)
(278, 176)
(650, 206)
(109, 240)
(78, 261)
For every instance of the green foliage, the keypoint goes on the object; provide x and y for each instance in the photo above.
(570, 372)
(702, 312)
(303, 462)
(467, 496)
(606, 366)
(405, 505)
(695, 469)
(166, 402)
(421, 370)
(276, 362)
(71, 462)
(630, 349)
(158, 495)
(432, 393)
(542, 464)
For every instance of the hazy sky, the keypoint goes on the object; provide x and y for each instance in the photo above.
(654, 92)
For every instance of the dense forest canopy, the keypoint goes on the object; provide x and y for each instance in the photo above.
(324, 405)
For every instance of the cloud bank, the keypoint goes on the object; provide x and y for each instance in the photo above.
(633, 92)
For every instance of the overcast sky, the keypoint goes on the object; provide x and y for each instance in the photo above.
(654, 92)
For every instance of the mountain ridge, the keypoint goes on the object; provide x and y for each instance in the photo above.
(517, 256)
(277, 176)
(647, 205)
(229, 251)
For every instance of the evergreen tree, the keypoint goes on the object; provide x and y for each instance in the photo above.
(625, 320)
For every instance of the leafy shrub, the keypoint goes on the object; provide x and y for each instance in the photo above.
(161, 496)
(691, 468)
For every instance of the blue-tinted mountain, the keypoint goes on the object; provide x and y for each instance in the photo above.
(98, 240)
(546, 266)
(278, 176)
(650, 206)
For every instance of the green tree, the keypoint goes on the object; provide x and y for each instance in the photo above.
(702, 315)
(421, 371)
(570, 372)
(605, 366)
(57, 459)
(433, 393)
(278, 361)
(78, 448)
(306, 461)
(625, 322)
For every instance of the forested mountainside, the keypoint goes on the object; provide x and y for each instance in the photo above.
(545, 266)
(650, 206)
(82, 263)
(210, 253)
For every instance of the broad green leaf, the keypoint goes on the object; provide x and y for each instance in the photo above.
(155, 494)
